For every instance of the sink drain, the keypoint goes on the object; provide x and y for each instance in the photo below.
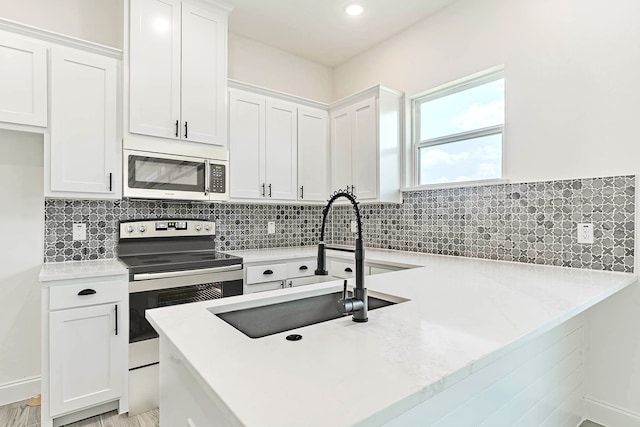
(294, 337)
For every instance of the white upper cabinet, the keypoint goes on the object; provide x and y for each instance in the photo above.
(178, 71)
(246, 145)
(313, 154)
(23, 81)
(154, 76)
(281, 139)
(263, 136)
(366, 139)
(84, 147)
(204, 75)
(364, 159)
(341, 163)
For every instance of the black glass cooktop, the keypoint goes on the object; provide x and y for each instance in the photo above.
(161, 262)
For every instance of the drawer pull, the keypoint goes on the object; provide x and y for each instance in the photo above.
(267, 272)
(348, 270)
(86, 292)
(303, 267)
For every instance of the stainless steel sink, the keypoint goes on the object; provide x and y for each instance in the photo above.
(258, 322)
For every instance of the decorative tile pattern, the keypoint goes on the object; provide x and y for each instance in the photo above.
(238, 226)
(529, 222)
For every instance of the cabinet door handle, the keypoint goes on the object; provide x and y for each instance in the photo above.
(263, 186)
(86, 292)
(116, 319)
(348, 270)
(186, 130)
(177, 127)
(303, 267)
(269, 190)
(267, 272)
(302, 191)
(110, 181)
(348, 187)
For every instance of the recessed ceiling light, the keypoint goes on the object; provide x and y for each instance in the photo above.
(354, 9)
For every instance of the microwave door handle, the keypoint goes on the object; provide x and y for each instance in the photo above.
(206, 177)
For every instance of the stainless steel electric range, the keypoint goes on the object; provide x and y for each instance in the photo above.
(171, 261)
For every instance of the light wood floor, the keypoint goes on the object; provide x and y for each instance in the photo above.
(20, 415)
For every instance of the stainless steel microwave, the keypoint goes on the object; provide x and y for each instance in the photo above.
(182, 173)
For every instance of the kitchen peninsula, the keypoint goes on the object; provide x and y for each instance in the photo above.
(464, 326)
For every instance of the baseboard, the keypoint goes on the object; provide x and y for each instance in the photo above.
(19, 390)
(610, 415)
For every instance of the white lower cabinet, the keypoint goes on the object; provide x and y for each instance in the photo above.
(84, 364)
(279, 275)
(84, 348)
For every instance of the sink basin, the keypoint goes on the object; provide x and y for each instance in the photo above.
(258, 322)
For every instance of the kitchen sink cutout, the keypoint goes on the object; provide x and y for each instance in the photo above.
(258, 322)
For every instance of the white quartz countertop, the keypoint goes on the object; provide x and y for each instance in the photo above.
(54, 271)
(461, 315)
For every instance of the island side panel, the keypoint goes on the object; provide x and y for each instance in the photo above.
(185, 401)
(539, 383)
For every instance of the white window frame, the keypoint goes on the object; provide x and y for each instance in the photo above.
(440, 92)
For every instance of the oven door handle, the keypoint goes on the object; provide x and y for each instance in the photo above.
(183, 273)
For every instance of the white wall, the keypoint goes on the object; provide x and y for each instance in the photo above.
(99, 21)
(262, 65)
(21, 254)
(572, 92)
(572, 108)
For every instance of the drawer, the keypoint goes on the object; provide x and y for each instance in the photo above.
(301, 281)
(302, 268)
(266, 273)
(83, 294)
(260, 287)
(342, 269)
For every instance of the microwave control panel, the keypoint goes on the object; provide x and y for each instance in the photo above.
(218, 179)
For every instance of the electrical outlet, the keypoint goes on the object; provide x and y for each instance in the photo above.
(271, 227)
(585, 233)
(80, 231)
(354, 226)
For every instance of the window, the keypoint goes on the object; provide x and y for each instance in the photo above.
(458, 131)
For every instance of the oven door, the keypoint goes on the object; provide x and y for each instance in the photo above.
(164, 176)
(153, 290)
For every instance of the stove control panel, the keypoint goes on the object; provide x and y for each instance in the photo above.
(166, 228)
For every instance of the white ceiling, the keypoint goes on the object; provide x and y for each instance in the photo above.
(320, 30)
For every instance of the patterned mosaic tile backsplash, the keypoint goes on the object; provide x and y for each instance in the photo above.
(531, 222)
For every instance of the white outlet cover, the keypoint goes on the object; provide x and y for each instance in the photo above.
(354, 226)
(80, 231)
(585, 233)
(271, 227)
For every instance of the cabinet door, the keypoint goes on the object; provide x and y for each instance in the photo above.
(341, 150)
(281, 150)
(313, 154)
(246, 145)
(85, 362)
(204, 75)
(84, 146)
(154, 75)
(23, 81)
(365, 149)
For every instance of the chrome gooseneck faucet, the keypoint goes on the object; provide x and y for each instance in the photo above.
(358, 304)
